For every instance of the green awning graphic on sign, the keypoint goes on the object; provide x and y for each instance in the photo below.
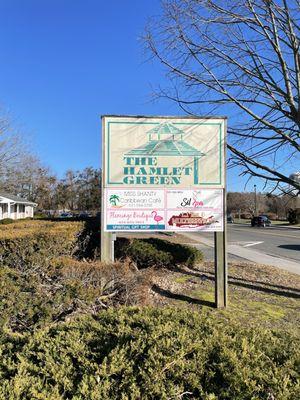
(167, 140)
(165, 148)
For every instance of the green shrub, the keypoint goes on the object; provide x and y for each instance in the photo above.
(144, 254)
(6, 221)
(25, 244)
(181, 254)
(150, 354)
(41, 215)
(156, 252)
(34, 298)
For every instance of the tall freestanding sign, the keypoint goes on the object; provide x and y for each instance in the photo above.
(165, 174)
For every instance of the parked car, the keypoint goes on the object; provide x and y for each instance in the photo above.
(261, 220)
(66, 215)
(230, 219)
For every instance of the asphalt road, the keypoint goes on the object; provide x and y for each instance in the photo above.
(280, 242)
(275, 241)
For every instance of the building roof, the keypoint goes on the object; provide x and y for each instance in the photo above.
(16, 199)
(165, 148)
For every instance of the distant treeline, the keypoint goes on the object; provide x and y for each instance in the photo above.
(276, 206)
(76, 190)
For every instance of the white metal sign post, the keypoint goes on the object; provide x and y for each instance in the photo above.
(165, 174)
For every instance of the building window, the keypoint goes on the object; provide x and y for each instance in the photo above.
(21, 208)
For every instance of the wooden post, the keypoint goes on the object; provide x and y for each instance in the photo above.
(220, 269)
(221, 284)
(106, 247)
(106, 240)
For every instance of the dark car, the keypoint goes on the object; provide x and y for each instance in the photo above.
(261, 220)
(230, 219)
(85, 214)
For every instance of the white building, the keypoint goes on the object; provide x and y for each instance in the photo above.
(15, 207)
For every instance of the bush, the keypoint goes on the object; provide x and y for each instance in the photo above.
(144, 254)
(6, 221)
(146, 353)
(181, 254)
(65, 288)
(25, 244)
(41, 215)
(156, 252)
(89, 239)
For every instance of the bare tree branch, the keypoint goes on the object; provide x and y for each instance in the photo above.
(241, 57)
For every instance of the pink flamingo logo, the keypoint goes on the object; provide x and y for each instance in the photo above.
(157, 218)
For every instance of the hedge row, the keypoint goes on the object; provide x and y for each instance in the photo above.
(24, 244)
(66, 287)
(146, 353)
(6, 221)
(28, 243)
(156, 252)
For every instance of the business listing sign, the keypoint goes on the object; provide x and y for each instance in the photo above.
(163, 173)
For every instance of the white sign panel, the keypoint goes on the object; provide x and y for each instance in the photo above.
(163, 173)
(165, 152)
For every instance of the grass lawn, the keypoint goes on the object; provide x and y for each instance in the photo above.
(258, 294)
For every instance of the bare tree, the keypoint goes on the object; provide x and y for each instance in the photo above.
(30, 179)
(79, 190)
(238, 57)
(244, 202)
(11, 146)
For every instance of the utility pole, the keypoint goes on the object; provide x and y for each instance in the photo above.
(255, 202)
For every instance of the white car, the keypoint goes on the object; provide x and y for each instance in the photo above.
(66, 215)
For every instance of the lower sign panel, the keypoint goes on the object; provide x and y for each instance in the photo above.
(163, 210)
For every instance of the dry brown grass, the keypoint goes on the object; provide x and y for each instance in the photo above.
(25, 228)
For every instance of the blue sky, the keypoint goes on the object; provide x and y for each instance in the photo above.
(67, 62)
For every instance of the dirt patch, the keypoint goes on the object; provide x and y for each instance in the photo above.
(257, 294)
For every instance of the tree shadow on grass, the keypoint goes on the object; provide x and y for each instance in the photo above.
(284, 288)
(170, 295)
(253, 285)
(234, 278)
